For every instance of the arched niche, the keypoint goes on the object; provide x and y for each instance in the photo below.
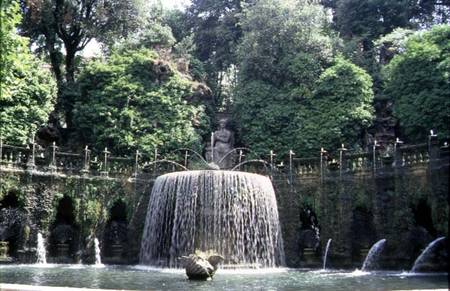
(64, 232)
(12, 222)
(363, 233)
(116, 233)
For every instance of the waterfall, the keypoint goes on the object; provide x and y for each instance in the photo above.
(98, 259)
(326, 254)
(41, 254)
(424, 255)
(231, 213)
(373, 253)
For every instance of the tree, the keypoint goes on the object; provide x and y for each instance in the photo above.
(392, 44)
(418, 82)
(370, 19)
(72, 25)
(361, 22)
(27, 89)
(135, 100)
(217, 32)
(284, 50)
(341, 109)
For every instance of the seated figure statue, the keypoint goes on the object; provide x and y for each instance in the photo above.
(223, 144)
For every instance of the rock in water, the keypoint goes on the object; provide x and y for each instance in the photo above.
(200, 268)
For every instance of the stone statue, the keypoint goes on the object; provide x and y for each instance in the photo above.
(223, 143)
(200, 266)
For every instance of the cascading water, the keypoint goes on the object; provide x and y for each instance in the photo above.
(41, 254)
(231, 213)
(326, 254)
(373, 253)
(424, 255)
(98, 259)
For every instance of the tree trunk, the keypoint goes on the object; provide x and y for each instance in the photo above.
(54, 58)
(67, 95)
(70, 64)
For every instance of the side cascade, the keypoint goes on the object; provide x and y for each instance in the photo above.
(373, 254)
(326, 254)
(98, 259)
(233, 214)
(424, 255)
(41, 253)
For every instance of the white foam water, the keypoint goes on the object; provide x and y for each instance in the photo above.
(41, 253)
(231, 213)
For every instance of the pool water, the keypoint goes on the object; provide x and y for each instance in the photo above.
(144, 278)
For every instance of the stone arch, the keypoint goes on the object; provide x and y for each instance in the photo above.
(10, 200)
(423, 216)
(115, 235)
(363, 232)
(64, 232)
(12, 222)
(422, 230)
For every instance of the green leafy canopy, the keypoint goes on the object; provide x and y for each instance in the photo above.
(418, 81)
(135, 100)
(27, 89)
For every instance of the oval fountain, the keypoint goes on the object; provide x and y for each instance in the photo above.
(230, 213)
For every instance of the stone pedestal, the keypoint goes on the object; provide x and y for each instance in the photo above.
(62, 250)
(310, 258)
(27, 256)
(116, 251)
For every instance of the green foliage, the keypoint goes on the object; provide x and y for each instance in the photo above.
(341, 109)
(57, 24)
(217, 33)
(361, 22)
(283, 52)
(284, 43)
(136, 101)
(372, 18)
(392, 44)
(154, 33)
(27, 89)
(418, 82)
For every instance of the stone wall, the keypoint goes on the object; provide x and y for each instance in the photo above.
(355, 200)
(405, 204)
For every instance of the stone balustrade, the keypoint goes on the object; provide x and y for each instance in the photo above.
(52, 160)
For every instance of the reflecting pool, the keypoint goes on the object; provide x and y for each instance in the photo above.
(143, 277)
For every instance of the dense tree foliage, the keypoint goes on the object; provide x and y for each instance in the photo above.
(54, 24)
(341, 110)
(272, 63)
(217, 33)
(135, 100)
(27, 90)
(418, 81)
(283, 52)
(361, 22)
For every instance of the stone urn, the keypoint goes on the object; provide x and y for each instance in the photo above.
(200, 266)
(4, 249)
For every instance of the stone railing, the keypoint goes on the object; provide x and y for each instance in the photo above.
(52, 160)
(377, 159)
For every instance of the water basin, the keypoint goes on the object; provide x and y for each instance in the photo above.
(150, 278)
